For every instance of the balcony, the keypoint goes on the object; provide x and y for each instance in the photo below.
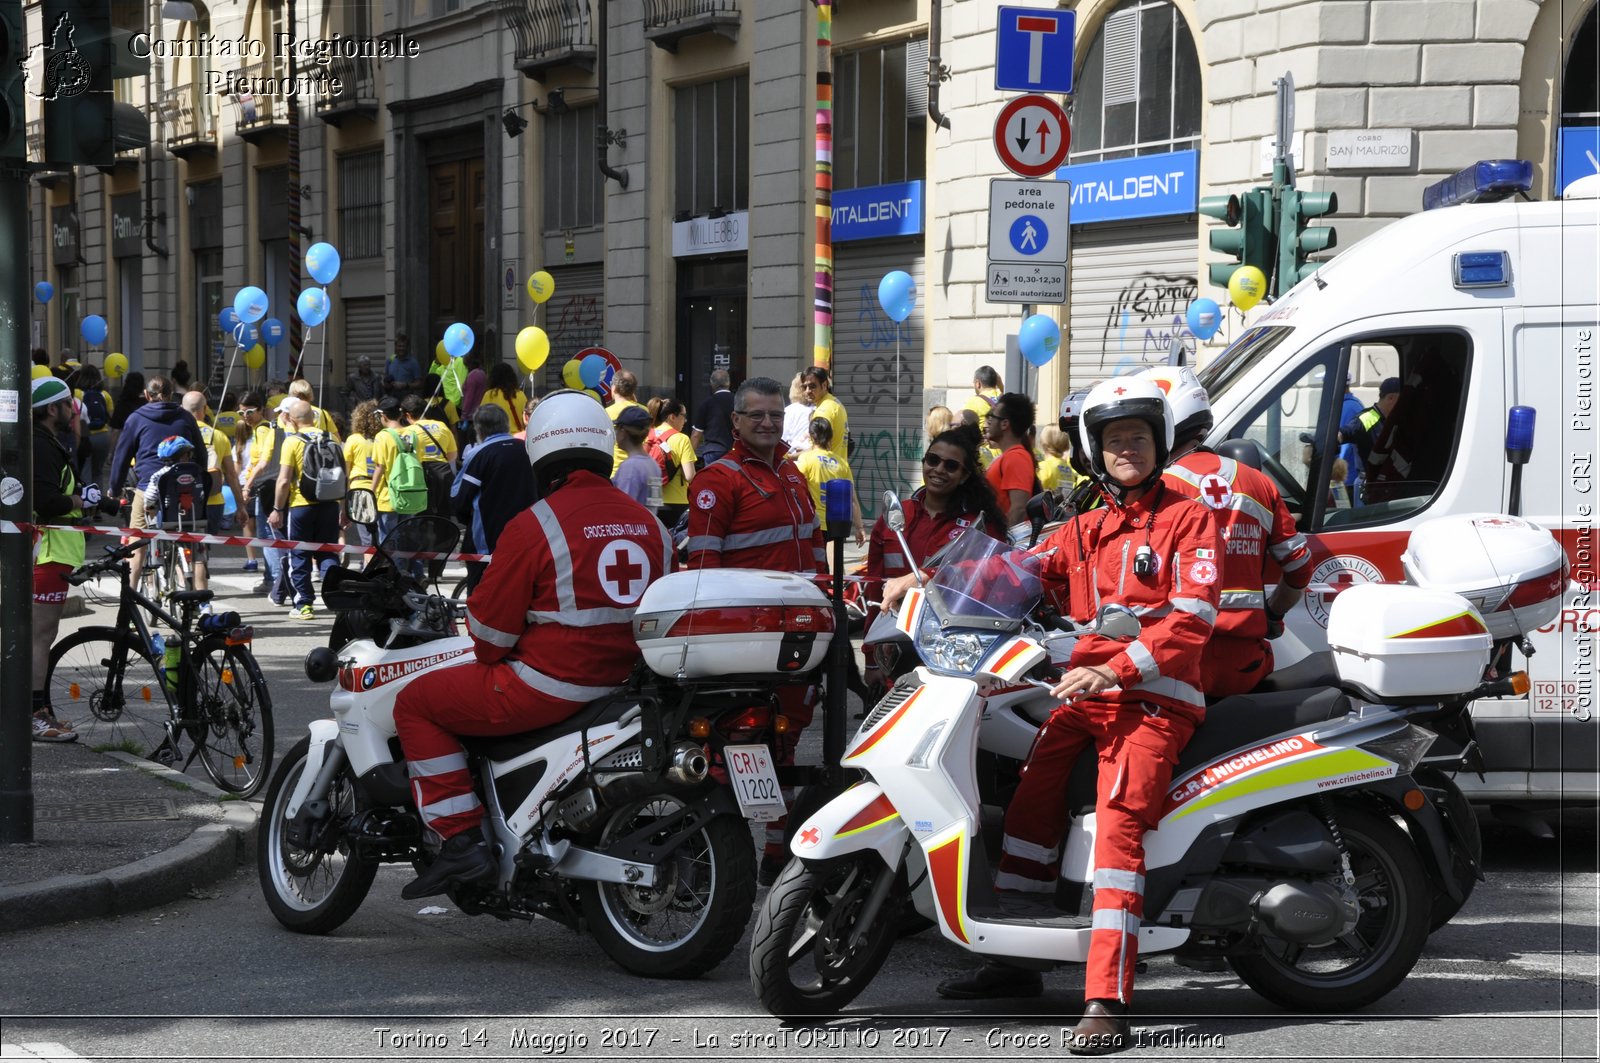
(666, 22)
(260, 115)
(358, 90)
(190, 116)
(550, 34)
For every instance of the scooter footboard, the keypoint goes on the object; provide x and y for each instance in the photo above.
(859, 819)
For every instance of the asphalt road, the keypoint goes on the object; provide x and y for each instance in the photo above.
(1514, 976)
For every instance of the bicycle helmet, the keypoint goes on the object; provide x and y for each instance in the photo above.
(173, 447)
(1117, 400)
(569, 430)
(1191, 410)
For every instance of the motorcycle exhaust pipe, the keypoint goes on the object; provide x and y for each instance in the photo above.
(689, 766)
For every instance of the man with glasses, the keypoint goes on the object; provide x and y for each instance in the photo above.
(815, 381)
(752, 509)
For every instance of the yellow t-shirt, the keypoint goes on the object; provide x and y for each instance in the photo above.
(618, 455)
(833, 410)
(358, 460)
(261, 442)
(294, 449)
(273, 402)
(675, 492)
(384, 449)
(214, 440)
(979, 404)
(819, 466)
(518, 417)
(110, 409)
(434, 441)
(324, 423)
(1054, 472)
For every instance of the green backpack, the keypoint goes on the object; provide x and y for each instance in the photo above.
(408, 484)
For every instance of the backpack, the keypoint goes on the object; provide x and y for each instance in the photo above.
(322, 472)
(656, 446)
(440, 478)
(408, 484)
(95, 414)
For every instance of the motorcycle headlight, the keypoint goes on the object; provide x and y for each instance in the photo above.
(1406, 748)
(959, 653)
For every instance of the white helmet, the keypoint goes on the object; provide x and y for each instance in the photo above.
(1117, 400)
(569, 430)
(1191, 410)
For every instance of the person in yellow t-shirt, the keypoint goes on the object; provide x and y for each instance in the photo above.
(96, 421)
(624, 396)
(309, 520)
(819, 465)
(816, 382)
(501, 390)
(671, 418)
(219, 468)
(320, 419)
(365, 425)
(1054, 470)
(986, 391)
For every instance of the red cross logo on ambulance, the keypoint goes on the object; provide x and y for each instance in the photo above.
(1333, 577)
(624, 571)
(1215, 491)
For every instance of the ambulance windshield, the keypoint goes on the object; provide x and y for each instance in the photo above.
(1241, 356)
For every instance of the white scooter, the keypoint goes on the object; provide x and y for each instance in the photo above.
(620, 820)
(1295, 846)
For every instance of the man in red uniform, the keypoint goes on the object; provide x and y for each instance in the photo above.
(751, 508)
(1258, 532)
(551, 625)
(1158, 553)
(1012, 474)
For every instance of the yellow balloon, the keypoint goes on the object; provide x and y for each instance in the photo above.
(255, 357)
(541, 286)
(441, 355)
(1248, 286)
(533, 347)
(571, 376)
(41, 371)
(593, 394)
(116, 365)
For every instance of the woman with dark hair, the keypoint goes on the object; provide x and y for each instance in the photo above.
(669, 418)
(131, 399)
(954, 496)
(501, 390)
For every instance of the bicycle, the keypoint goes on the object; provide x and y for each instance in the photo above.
(210, 693)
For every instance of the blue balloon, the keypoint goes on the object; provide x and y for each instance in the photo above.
(44, 291)
(228, 320)
(272, 332)
(1204, 318)
(246, 335)
(1039, 338)
(93, 330)
(458, 340)
(322, 262)
(250, 304)
(314, 306)
(897, 294)
(591, 370)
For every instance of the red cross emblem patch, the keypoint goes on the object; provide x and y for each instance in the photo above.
(1215, 491)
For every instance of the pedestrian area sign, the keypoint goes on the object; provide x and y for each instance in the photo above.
(1029, 241)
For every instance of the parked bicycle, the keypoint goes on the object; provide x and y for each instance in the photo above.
(154, 692)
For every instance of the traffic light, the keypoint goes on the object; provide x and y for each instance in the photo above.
(1248, 236)
(83, 124)
(13, 101)
(1298, 242)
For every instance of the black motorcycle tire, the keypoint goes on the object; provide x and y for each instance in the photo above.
(731, 864)
(275, 862)
(1395, 897)
(1458, 810)
(800, 903)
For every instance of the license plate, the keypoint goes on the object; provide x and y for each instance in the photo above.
(755, 782)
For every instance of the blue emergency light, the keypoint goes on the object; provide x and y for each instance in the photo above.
(836, 507)
(1482, 182)
(1482, 269)
(1519, 433)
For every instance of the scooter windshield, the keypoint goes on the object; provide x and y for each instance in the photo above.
(984, 578)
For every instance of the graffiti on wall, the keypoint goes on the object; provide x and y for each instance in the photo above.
(1146, 317)
(877, 369)
(575, 322)
(882, 462)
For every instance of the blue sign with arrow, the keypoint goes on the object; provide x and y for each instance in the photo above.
(1033, 50)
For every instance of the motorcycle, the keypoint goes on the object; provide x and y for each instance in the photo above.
(1297, 844)
(627, 820)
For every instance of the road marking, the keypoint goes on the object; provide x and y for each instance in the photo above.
(38, 1050)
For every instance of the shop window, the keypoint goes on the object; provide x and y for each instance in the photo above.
(1580, 89)
(880, 115)
(573, 190)
(712, 128)
(361, 204)
(1138, 92)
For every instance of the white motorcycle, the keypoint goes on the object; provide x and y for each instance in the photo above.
(627, 820)
(1296, 845)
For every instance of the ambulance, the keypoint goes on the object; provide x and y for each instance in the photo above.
(1482, 303)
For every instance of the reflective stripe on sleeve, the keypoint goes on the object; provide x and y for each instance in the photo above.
(696, 543)
(764, 537)
(1143, 660)
(1196, 607)
(493, 636)
(1242, 600)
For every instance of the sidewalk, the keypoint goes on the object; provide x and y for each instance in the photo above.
(115, 834)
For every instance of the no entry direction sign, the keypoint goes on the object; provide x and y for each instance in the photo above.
(1031, 136)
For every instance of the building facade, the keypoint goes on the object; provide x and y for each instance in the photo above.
(658, 158)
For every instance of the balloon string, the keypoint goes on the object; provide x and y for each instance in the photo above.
(227, 376)
(322, 368)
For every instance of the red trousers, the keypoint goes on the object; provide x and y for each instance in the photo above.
(1138, 747)
(476, 699)
(1234, 666)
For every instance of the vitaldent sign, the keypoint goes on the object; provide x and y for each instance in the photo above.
(1149, 186)
(877, 211)
(710, 236)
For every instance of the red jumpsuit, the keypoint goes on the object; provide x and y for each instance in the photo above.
(552, 627)
(1257, 533)
(1138, 728)
(746, 513)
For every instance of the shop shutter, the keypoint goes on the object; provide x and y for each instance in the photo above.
(1131, 285)
(574, 318)
(365, 322)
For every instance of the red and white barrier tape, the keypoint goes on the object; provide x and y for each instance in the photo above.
(201, 538)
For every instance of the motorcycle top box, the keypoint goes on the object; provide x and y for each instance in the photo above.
(1400, 641)
(733, 621)
(1510, 569)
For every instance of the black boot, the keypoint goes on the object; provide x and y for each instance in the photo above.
(463, 858)
(993, 980)
(1102, 1030)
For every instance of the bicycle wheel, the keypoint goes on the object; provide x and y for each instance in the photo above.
(127, 711)
(231, 721)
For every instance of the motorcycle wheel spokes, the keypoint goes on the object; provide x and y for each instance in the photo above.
(673, 910)
(311, 889)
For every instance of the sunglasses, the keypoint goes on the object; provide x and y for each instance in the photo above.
(947, 464)
(761, 415)
(249, 409)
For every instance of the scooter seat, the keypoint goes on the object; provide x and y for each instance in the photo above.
(1246, 718)
(608, 709)
(1314, 670)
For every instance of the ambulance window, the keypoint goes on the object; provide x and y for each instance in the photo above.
(1241, 356)
(1287, 426)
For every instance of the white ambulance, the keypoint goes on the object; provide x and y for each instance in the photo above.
(1474, 308)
